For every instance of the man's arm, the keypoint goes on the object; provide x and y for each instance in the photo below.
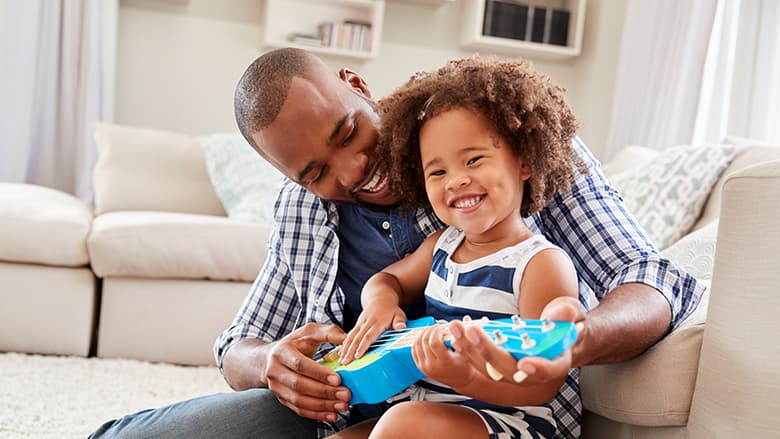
(263, 347)
(627, 322)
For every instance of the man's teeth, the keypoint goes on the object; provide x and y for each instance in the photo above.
(464, 203)
(376, 184)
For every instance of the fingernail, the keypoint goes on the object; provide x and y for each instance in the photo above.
(579, 326)
(341, 406)
(455, 331)
(342, 395)
(333, 380)
(519, 376)
(492, 372)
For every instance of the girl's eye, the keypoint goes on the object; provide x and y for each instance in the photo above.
(437, 173)
(474, 160)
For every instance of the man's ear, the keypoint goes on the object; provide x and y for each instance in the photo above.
(355, 81)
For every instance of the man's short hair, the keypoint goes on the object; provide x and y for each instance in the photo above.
(262, 90)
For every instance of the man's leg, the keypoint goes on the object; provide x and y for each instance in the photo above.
(254, 413)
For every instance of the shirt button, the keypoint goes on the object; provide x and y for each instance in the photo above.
(386, 225)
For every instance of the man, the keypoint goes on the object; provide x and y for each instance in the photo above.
(336, 223)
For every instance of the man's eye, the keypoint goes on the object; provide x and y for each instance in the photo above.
(350, 136)
(474, 160)
(320, 174)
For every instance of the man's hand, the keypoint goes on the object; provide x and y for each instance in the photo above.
(501, 366)
(300, 383)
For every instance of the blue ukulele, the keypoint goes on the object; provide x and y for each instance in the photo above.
(387, 367)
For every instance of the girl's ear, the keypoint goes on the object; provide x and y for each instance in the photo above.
(525, 170)
(355, 81)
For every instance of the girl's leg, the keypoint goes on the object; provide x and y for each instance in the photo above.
(426, 419)
(361, 430)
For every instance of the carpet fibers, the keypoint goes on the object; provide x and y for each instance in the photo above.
(46, 397)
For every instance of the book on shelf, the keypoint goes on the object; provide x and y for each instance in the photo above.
(305, 39)
(348, 34)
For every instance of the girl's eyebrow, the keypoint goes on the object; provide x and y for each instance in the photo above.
(464, 150)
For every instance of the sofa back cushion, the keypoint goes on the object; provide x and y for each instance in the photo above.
(142, 169)
(750, 154)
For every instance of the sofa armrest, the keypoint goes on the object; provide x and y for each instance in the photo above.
(737, 392)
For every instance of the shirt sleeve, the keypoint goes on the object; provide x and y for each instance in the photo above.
(270, 309)
(608, 246)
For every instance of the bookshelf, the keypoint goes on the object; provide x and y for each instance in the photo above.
(544, 29)
(346, 28)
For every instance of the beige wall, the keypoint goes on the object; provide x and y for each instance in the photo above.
(179, 60)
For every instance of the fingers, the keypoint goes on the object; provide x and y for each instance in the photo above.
(399, 321)
(565, 309)
(494, 361)
(538, 370)
(302, 384)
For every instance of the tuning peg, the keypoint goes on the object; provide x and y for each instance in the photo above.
(528, 342)
(547, 325)
(517, 323)
(499, 337)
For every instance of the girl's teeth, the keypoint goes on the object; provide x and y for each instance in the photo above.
(466, 203)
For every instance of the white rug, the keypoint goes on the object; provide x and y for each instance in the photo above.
(69, 397)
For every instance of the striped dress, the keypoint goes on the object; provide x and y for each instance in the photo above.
(489, 286)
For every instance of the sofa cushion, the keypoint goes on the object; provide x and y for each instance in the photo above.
(39, 225)
(667, 194)
(654, 389)
(176, 245)
(246, 184)
(153, 170)
(750, 153)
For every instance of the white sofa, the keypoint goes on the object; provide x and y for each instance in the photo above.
(173, 270)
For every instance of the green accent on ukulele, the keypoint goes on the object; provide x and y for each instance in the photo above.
(354, 365)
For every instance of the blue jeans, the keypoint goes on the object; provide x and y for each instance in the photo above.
(254, 413)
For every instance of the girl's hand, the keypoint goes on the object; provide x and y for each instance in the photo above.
(440, 363)
(372, 322)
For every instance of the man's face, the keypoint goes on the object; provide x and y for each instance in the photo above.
(324, 139)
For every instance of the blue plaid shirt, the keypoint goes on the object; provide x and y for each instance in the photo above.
(297, 283)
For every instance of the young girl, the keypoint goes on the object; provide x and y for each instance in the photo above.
(484, 143)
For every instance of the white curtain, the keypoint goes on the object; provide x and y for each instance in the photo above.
(57, 80)
(745, 73)
(725, 84)
(659, 73)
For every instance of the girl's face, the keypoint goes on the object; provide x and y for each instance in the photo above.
(473, 180)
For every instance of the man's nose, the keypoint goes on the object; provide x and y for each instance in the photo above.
(457, 182)
(350, 168)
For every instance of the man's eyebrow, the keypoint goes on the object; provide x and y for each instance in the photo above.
(338, 126)
(306, 171)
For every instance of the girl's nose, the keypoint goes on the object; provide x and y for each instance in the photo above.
(457, 182)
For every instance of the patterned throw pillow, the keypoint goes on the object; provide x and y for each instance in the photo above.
(666, 195)
(246, 184)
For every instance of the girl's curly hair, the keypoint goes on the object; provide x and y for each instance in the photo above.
(523, 106)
